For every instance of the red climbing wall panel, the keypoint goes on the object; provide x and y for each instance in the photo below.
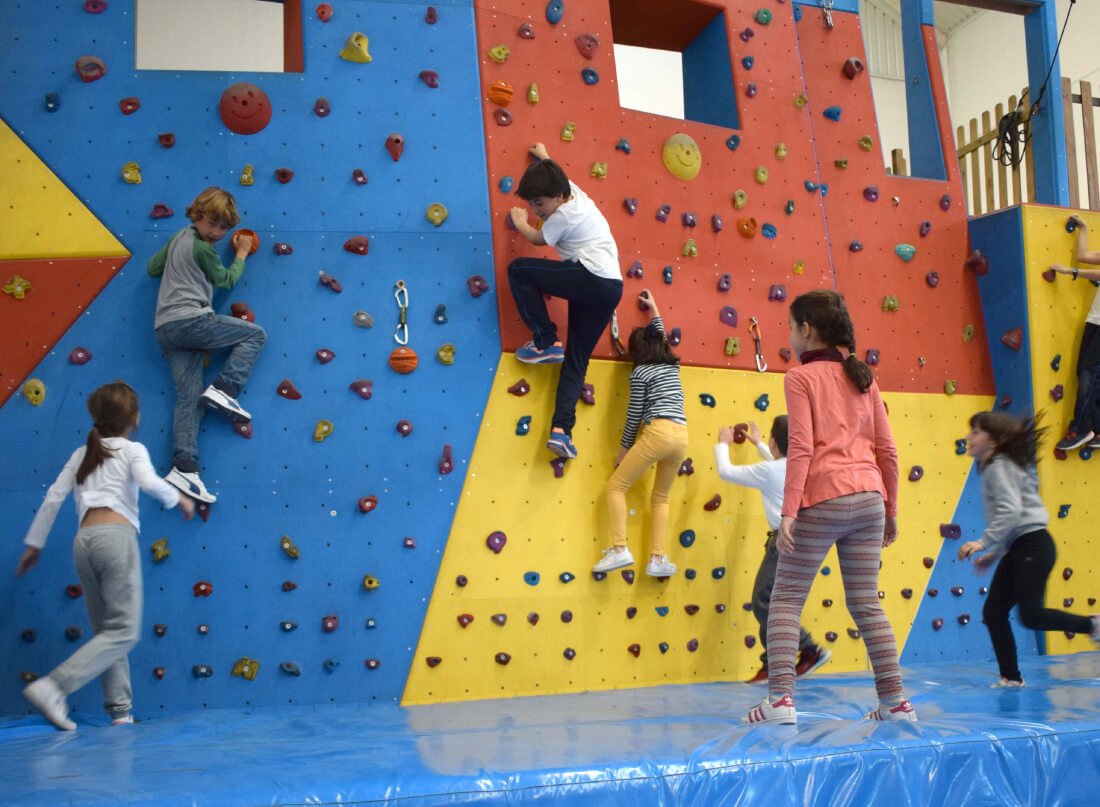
(811, 242)
(61, 289)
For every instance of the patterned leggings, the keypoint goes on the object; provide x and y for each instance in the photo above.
(855, 524)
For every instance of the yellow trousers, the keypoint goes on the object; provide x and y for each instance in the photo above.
(663, 442)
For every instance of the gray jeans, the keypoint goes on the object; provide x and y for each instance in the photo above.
(762, 596)
(184, 343)
(109, 567)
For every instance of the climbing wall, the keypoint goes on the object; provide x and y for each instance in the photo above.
(280, 482)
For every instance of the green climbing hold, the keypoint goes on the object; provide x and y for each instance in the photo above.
(762, 16)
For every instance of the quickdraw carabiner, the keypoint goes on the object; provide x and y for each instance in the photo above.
(616, 342)
(754, 331)
(401, 295)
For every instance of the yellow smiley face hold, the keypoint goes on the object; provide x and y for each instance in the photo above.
(682, 156)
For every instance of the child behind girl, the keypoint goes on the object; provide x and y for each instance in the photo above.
(1006, 449)
(104, 475)
(841, 488)
(657, 400)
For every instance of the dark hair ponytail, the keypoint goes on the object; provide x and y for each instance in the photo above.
(1016, 438)
(649, 345)
(827, 314)
(114, 409)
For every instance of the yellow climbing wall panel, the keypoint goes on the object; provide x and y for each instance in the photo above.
(555, 525)
(42, 218)
(1056, 318)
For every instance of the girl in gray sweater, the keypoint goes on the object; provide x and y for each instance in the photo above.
(1006, 448)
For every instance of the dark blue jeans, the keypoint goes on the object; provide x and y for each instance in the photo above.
(183, 343)
(1086, 409)
(592, 301)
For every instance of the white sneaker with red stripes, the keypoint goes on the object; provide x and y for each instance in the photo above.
(781, 711)
(903, 711)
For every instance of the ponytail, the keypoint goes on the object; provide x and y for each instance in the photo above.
(857, 370)
(94, 455)
(114, 411)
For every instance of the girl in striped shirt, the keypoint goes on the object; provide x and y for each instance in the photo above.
(657, 401)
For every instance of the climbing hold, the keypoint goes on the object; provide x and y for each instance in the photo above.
(28, 635)
(623, 145)
(958, 591)
(789, 207)
(810, 185)
(431, 16)
(566, 617)
(246, 176)
(932, 279)
(244, 108)
(324, 12)
(978, 263)
(960, 446)
(590, 76)
(355, 50)
(321, 108)
(201, 589)
(445, 354)
(689, 574)
(358, 177)
(1055, 363)
(740, 433)
(750, 89)
(950, 532)
(950, 386)
(52, 101)
(925, 228)
(80, 355)
(713, 504)
(246, 668)
(674, 337)
(588, 394)
(557, 465)
(768, 230)
(465, 619)
(945, 202)
(728, 316)
(686, 468)
(785, 353)
(131, 173)
(73, 632)
(404, 427)
(870, 193)
(688, 219)
(1067, 573)
(853, 67)
(937, 623)
(499, 53)
(288, 547)
(500, 93)
(430, 78)
(202, 671)
(499, 619)
(598, 170)
(724, 282)
(855, 246)
(1013, 338)
(34, 391)
(324, 355)
(635, 271)
(502, 117)
(968, 333)
(832, 113)
(520, 388)
(666, 274)
(477, 285)
(95, 6)
(395, 145)
(630, 205)
(554, 11)
(287, 627)
(1063, 510)
(330, 664)
(90, 68)
(663, 212)
(129, 105)
(760, 174)
(747, 226)
(706, 399)
(322, 430)
(433, 661)
(283, 249)
(915, 473)
(682, 157)
(160, 549)
(628, 576)
(358, 244)
(690, 250)
(436, 214)
(890, 302)
(167, 139)
(446, 464)
(290, 668)
(403, 360)
(746, 35)
(523, 425)
(635, 650)
(161, 211)
(718, 572)
(362, 387)
(761, 403)
(289, 585)
(740, 198)
(747, 62)
(872, 358)
(732, 346)
(691, 610)
(496, 541)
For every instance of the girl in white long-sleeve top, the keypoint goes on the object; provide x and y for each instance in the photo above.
(104, 476)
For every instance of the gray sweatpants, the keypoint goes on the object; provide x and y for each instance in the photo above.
(109, 567)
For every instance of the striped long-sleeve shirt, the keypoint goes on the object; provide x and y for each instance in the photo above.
(655, 392)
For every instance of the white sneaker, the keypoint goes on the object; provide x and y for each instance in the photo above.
(613, 560)
(903, 711)
(48, 698)
(1007, 683)
(189, 483)
(124, 720)
(781, 712)
(216, 399)
(1094, 634)
(660, 568)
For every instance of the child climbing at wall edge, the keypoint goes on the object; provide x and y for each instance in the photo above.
(186, 327)
(588, 276)
(1084, 429)
(767, 477)
(657, 407)
(104, 476)
(1015, 537)
(841, 488)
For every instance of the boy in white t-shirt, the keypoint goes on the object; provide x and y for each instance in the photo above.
(587, 275)
(1084, 430)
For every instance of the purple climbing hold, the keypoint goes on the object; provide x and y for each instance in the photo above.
(477, 285)
(495, 542)
(750, 89)
(777, 293)
(686, 468)
(675, 337)
(533, 618)
(630, 205)
(567, 617)
(870, 193)
(446, 461)
(161, 211)
(461, 581)
(872, 356)
(925, 227)
(404, 427)
(587, 45)
(321, 108)
(569, 653)
(558, 466)
(283, 249)
(588, 394)
(430, 77)
(80, 355)
(635, 270)
(724, 282)
(324, 355)
(363, 387)
(728, 316)
(951, 532)
(95, 6)
(945, 202)
(628, 576)
(716, 223)
(932, 279)
(687, 219)
(526, 31)
(915, 473)
(663, 211)
(855, 246)
(1057, 393)
(499, 619)
(358, 177)
(692, 645)
(746, 35)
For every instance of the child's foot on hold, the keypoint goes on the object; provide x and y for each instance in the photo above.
(761, 676)
(562, 444)
(810, 659)
(225, 404)
(1074, 440)
(123, 720)
(903, 711)
(781, 711)
(48, 698)
(1007, 683)
(613, 560)
(529, 354)
(189, 483)
(660, 567)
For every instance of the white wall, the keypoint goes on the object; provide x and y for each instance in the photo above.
(223, 35)
(650, 80)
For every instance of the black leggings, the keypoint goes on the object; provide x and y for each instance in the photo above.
(1021, 579)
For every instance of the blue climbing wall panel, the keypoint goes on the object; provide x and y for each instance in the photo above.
(280, 482)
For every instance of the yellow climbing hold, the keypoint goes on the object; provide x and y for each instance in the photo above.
(599, 170)
(533, 93)
(446, 354)
(950, 385)
(968, 333)
(690, 250)
(356, 49)
(322, 430)
(499, 54)
(733, 346)
(246, 668)
(740, 198)
(800, 101)
(890, 302)
(682, 156)
(371, 583)
(781, 151)
(437, 214)
(567, 132)
(246, 175)
(131, 173)
(160, 550)
(865, 143)
(799, 267)
(17, 287)
(289, 547)
(34, 391)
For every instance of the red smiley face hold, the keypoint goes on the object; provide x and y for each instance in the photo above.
(245, 108)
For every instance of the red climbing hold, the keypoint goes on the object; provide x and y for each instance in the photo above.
(289, 585)
(243, 428)
(368, 503)
(159, 673)
(284, 175)
(90, 68)
(95, 6)
(431, 15)
(358, 177)
(750, 641)
(1049, 275)
(202, 589)
(203, 509)
(240, 311)
(129, 105)
(433, 661)
(331, 282)
(167, 140)
(713, 504)
(635, 650)
(430, 77)
(404, 427)
(330, 623)
(244, 108)
(286, 390)
(928, 562)
(520, 388)
(357, 244)
(465, 619)
(978, 263)
(446, 461)
(853, 67)
(395, 145)
(321, 108)
(477, 285)
(74, 591)
(373, 663)
(740, 432)
(502, 658)
(691, 610)
(937, 623)
(1013, 338)
(363, 387)
(324, 355)
(324, 12)
(161, 211)
(587, 45)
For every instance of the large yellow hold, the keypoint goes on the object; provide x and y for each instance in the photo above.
(356, 49)
(682, 156)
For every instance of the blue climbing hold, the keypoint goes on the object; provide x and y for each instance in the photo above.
(662, 610)
(689, 574)
(566, 577)
(747, 62)
(1071, 225)
(797, 13)
(1085, 453)
(506, 184)
(666, 273)
(663, 647)
(1063, 511)
(53, 102)
(824, 188)
(768, 230)
(330, 664)
(960, 446)
(733, 141)
(440, 315)
(371, 624)
(590, 76)
(718, 572)
(523, 425)
(1056, 362)
(687, 538)
(762, 402)
(290, 668)
(810, 185)
(531, 578)
(825, 570)
(623, 145)
(554, 11)
(832, 113)
(706, 399)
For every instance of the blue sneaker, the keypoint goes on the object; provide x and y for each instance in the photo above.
(562, 445)
(529, 354)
